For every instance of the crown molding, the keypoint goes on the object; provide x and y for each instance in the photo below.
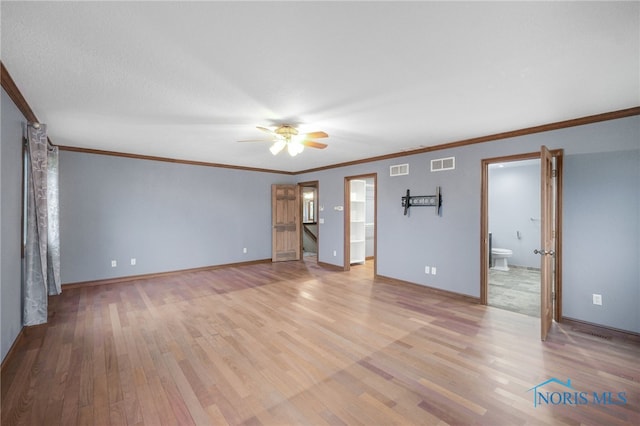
(14, 93)
(169, 160)
(613, 115)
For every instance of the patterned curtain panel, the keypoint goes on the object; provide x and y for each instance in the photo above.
(53, 230)
(42, 254)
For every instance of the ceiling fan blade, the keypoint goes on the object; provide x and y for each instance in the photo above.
(257, 140)
(316, 135)
(264, 129)
(314, 144)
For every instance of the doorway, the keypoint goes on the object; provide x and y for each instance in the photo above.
(360, 221)
(540, 229)
(310, 235)
(514, 234)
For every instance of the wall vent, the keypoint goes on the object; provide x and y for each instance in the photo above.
(399, 170)
(441, 164)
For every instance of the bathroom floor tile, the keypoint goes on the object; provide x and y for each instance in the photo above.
(516, 290)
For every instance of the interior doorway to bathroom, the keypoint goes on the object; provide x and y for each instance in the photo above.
(310, 235)
(514, 234)
(511, 235)
(360, 224)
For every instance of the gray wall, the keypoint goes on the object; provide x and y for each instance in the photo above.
(10, 221)
(514, 199)
(406, 244)
(167, 216)
(602, 227)
(173, 216)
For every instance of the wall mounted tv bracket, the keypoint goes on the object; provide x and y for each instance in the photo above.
(423, 201)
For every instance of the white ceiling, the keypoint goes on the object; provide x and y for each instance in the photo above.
(186, 80)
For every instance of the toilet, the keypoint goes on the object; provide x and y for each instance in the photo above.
(500, 256)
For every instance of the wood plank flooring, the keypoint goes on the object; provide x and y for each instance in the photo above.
(295, 344)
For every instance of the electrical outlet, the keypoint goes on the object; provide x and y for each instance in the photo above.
(114, 263)
(426, 270)
(133, 261)
(433, 270)
(597, 299)
(335, 253)
(244, 250)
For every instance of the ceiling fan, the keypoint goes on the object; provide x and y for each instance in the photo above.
(287, 136)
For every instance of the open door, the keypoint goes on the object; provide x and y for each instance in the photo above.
(551, 193)
(547, 250)
(285, 231)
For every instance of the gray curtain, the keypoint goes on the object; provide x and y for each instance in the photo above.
(42, 246)
(53, 230)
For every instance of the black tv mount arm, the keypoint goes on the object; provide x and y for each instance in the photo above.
(423, 201)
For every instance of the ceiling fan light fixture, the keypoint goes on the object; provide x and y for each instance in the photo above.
(294, 148)
(277, 147)
(287, 136)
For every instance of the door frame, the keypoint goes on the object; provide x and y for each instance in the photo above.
(484, 225)
(315, 184)
(347, 220)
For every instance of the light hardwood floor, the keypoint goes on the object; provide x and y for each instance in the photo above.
(293, 343)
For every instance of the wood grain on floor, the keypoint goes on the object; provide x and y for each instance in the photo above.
(293, 343)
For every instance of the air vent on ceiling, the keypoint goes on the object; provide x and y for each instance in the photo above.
(399, 170)
(440, 164)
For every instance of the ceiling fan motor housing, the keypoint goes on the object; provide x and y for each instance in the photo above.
(286, 131)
